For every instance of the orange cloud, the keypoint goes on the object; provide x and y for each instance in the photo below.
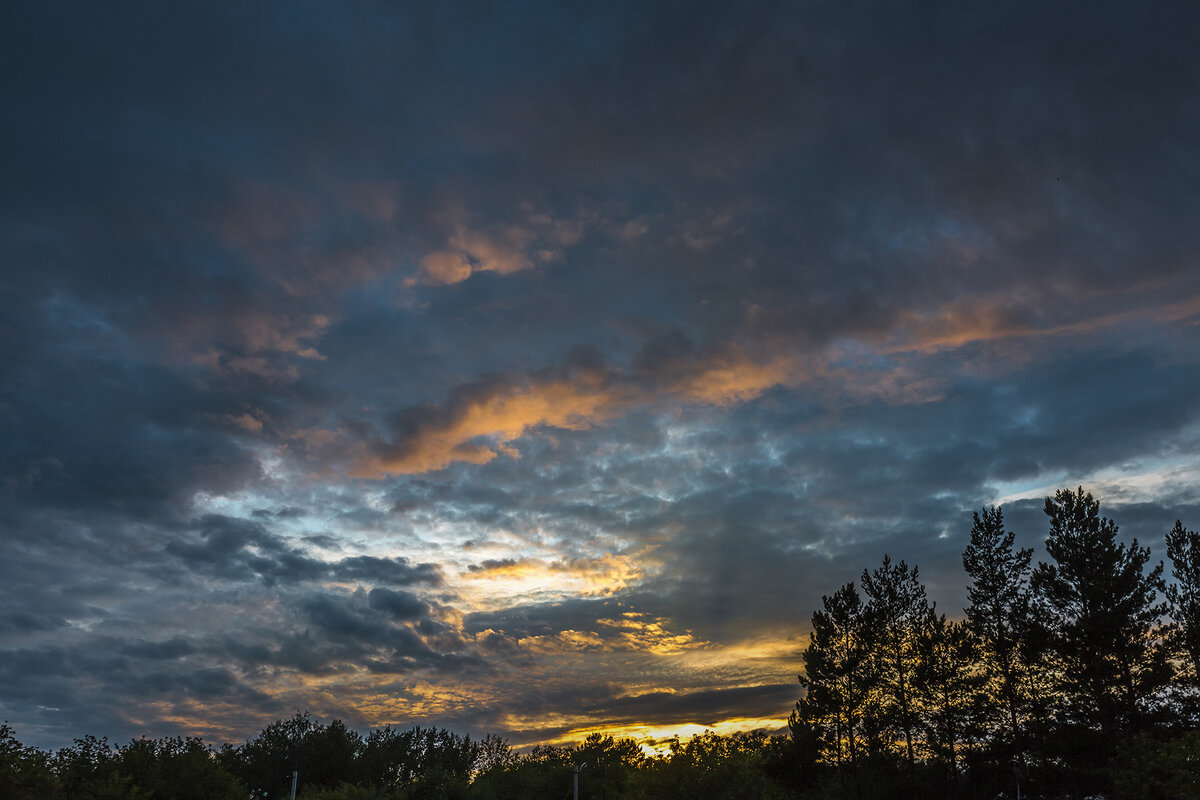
(447, 267)
(1180, 310)
(470, 251)
(991, 318)
(656, 739)
(731, 378)
(251, 341)
(577, 577)
(246, 421)
(482, 423)
(282, 333)
(540, 238)
(498, 416)
(632, 230)
(634, 632)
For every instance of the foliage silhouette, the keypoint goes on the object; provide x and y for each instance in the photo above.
(900, 612)
(1183, 548)
(998, 617)
(1099, 609)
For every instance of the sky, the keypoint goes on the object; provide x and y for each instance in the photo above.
(535, 368)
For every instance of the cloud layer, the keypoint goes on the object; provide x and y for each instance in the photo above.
(535, 371)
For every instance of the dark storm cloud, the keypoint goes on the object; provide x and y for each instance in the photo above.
(394, 571)
(62, 687)
(399, 605)
(742, 297)
(27, 622)
(136, 442)
(342, 622)
(235, 548)
(169, 649)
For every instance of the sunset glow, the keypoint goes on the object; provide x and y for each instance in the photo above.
(535, 369)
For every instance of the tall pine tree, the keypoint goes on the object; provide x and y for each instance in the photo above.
(948, 682)
(902, 613)
(1183, 548)
(998, 615)
(839, 676)
(1100, 608)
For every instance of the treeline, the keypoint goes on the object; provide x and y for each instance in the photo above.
(335, 763)
(1075, 677)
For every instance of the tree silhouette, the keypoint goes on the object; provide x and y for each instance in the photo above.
(1183, 548)
(323, 754)
(948, 681)
(900, 612)
(1099, 607)
(26, 773)
(176, 768)
(998, 615)
(840, 676)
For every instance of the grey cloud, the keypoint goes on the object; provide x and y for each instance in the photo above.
(492, 563)
(399, 605)
(234, 548)
(342, 622)
(543, 619)
(323, 541)
(27, 622)
(287, 512)
(176, 647)
(396, 571)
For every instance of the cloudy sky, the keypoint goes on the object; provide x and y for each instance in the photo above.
(534, 368)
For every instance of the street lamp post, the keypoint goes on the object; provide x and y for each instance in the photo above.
(578, 769)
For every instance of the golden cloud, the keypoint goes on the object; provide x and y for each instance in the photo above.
(447, 267)
(731, 378)
(540, 238)
(481, 422)
(587, 577)
(477, 430)
(634, 632)
(503, 252)
(246, 421)
(655, 739)
(1007, 316)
